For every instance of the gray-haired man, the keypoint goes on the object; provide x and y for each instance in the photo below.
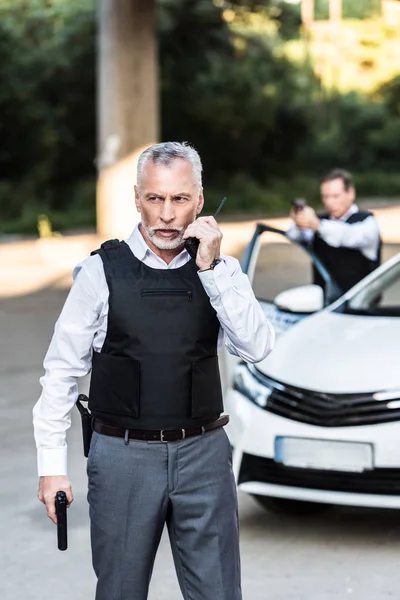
(147, 320)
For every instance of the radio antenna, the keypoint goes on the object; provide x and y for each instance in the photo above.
(219, 207)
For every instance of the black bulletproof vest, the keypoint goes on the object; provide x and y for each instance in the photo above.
(347, 266)
(158, 368)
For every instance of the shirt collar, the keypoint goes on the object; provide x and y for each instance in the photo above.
(353, 209)
(141, 250)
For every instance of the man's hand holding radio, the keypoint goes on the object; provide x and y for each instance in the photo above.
(206, 230)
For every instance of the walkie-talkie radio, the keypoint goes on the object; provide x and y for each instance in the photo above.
(192, 243)
(61, 512)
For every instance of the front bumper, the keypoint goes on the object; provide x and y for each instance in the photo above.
(252, 432)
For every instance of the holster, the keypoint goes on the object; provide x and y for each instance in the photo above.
(86, 419)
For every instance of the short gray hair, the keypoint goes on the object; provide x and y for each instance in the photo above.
(165, 153)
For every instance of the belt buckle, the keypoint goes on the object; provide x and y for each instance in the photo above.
(163, 431)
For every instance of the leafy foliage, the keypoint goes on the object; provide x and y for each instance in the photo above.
(47, 76)
(260, 119)
(352, 9)
(234, 95)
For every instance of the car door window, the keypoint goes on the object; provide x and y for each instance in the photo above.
(280, 265)
(274, 264)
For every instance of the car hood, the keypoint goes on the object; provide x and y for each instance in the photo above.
(338, 353)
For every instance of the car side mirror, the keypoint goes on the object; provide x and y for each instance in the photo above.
(303, 299)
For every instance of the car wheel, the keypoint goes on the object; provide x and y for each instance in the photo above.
(288, 506)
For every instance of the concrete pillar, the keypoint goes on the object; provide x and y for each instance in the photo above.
(307, 12)
(335, 24)
(335, 11)
(127, 107)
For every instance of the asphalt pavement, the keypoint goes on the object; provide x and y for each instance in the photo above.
(345, 553)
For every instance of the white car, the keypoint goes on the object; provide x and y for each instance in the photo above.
(318, 421)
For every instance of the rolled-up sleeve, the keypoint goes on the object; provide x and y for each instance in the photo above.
(248, 333)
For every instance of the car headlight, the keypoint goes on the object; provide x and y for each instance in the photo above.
(248, 385)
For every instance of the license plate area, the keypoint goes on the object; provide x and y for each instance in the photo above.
(331, 455)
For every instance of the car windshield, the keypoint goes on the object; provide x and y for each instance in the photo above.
(379, 298)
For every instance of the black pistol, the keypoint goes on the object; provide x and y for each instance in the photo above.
(61, 512)
(298, 204)
(86, 419)
(192, 243)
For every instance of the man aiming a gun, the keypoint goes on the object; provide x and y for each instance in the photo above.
(147, 320)
(346, 239)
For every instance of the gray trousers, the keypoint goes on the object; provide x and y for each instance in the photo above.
(135, 488)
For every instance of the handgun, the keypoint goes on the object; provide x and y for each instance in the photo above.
(192, 243)
(61, 512)
(298, 204)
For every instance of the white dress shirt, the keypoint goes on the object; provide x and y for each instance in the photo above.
(82, 327)
(363, 236)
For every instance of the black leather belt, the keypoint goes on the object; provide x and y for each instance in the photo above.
(151, 435)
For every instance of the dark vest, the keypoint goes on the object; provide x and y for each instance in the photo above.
(347, 266)
(158, 368)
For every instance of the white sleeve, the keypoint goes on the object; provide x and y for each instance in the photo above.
(68, 357)
(248, 333)
(362, 236)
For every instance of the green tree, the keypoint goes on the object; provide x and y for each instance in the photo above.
(228, 88)
(46, 100)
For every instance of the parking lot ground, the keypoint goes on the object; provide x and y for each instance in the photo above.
(345, 553)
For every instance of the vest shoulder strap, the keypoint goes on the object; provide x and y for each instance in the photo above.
(359, 216)
(356, 217)
(110, 250)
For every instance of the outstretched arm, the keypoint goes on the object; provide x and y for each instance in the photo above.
(362, 236)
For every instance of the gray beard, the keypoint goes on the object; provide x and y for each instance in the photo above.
(162, 244)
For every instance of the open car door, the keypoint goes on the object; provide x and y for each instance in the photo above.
(276, 265)
(281, 274)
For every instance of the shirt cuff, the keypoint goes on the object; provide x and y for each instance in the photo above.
(216, 281)
(52, 461)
